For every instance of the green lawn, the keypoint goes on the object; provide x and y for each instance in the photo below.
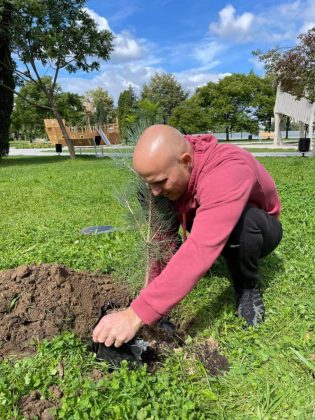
(45, 202)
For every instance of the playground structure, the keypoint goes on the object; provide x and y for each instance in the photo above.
(300, 110)
(91, 136)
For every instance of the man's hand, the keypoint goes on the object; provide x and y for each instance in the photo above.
(117, 328)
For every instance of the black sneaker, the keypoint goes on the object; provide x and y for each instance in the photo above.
(251, 306)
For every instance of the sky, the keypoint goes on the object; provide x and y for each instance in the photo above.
(197, 41)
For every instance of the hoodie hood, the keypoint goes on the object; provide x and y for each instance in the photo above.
(203, 146)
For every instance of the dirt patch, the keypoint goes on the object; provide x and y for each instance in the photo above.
(38, 302)
(41, 301)
(32, 405)
(213, 361)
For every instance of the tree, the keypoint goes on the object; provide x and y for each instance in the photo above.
(293, 68)
(235, 102)
(28, 119)
(149, 111)
(263, 99)
(6, 77)
(70, 106)
(126, 110)
(52, 35)
(103, 106)
(165, 90)
(189, 117)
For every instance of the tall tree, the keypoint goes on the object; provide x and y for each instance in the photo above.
(189, 117)
(294, 68)
(235, 102)
(103, 106)
(126, 110)
(263, 100)
(6, 76)
(52, 35)
(166, 91)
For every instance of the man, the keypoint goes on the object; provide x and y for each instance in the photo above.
(227, 201)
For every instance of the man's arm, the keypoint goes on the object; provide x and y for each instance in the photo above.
(222, 200)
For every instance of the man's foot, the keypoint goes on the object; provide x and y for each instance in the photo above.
(251, 306)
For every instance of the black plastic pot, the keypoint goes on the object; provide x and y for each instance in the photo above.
(135, 351)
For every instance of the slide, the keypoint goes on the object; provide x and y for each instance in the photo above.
(104, 137)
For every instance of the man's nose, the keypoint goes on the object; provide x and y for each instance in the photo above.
(156, 190)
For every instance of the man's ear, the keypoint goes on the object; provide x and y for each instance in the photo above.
(186, 159)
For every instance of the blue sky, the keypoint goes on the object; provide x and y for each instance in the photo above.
(198, 41)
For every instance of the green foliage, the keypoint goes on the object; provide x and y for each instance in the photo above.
(165, 90)
(293, 68)
(44, 204)
(125, 393)
(126, 111)
(59, 34)
(28, 120)
(189, 117)
(70, 107)
(52, 35)
(103, 104)
(237, 102)
(6, 77)
(149, 111)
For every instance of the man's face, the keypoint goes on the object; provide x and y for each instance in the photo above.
(170, 182)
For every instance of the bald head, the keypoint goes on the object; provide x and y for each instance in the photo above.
(158, 147)
(163, 158)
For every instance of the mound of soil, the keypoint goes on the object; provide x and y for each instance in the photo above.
(41, 301)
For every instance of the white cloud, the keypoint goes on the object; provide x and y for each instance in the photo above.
(126, 46)
(231, 26)
(113, 78)
(101, 22)
(258, 65)
(191, 79)
(206, 53)
(307, 26)
(274, 25)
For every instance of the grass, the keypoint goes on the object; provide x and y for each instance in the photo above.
(46, 201)
(270, 150)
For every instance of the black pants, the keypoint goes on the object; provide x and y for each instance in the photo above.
(255, 235)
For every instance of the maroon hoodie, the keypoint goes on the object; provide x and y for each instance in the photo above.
(224, 179)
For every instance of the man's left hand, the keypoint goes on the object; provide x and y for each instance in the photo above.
(117, 328)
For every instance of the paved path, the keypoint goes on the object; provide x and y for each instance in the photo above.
(47, 152)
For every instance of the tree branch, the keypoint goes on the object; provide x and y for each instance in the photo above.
(25, 99)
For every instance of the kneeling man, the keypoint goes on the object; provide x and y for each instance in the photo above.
(228, 203)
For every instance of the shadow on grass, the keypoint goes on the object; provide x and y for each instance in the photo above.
(39, 160)
(224, 302)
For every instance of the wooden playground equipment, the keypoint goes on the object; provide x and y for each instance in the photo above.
(92, 136)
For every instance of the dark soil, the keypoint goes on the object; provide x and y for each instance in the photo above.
(32, 405)
(40, 301)
(213, 361)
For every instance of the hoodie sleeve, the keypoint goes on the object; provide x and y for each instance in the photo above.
(222, 194)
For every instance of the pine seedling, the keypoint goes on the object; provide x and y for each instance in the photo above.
(154, 217)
